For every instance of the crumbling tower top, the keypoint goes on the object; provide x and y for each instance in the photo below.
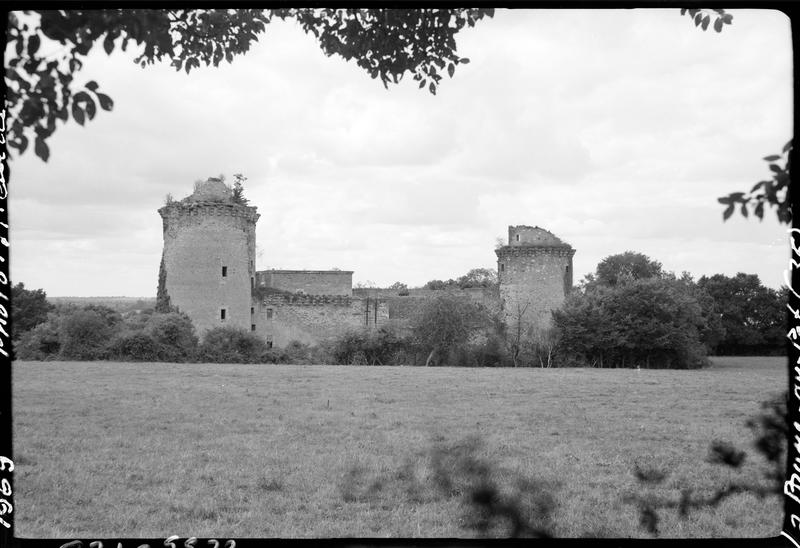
(523, 235)
(211, 190)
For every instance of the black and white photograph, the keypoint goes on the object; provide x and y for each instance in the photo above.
(404, 273)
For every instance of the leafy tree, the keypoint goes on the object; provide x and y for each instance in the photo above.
(85, 332)
(542, 347)
(41, 86)
(43, 342)
(29, 308)
(753, 316)
(626, 267)
(446, 322)
(647, 322)
(111, 317)
(711, 329)
(439, 284)
(478, 277)
(398, 286)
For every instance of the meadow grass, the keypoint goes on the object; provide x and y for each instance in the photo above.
(150, 450)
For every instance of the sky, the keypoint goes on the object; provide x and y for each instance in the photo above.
(616, 130)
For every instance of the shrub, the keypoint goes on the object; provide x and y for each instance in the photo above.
(43, 342)
(490, 352)
(297, 353)
(231, 345)
(446, 323)
(379, 347)
(111, 317)
(85, 332)
(135, 346)
(136, 320)
(174, 334)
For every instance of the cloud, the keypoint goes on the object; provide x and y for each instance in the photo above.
(615, 129)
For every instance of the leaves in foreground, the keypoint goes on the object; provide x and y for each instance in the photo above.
(702, 17)
(46, 51)
(774, 192)
(769, 429)
(495, 502)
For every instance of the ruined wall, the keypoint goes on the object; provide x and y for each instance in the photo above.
(200, 238)
(403, 309)
(523, 235)
(533, 279)
(310, 282)
(313, 319)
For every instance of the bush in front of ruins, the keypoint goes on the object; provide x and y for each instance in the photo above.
(174, 334)
(447, 323)
(231, 345)
(135, 346)
(380, 347)
(298, 353)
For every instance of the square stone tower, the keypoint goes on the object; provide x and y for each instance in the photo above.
(535, 275)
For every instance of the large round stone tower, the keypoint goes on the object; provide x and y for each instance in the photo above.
(535, 275)
(208, 262)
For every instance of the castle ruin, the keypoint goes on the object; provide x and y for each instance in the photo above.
(535, 275)
(208, 271)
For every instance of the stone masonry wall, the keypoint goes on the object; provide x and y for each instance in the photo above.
(310, 282)
(199, 240)
(536, 277)
(523, 235)
(403, 309)
(314, 319)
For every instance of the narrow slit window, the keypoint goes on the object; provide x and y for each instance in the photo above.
(252, 327)
(252, 310)
(252, 282)
(269, 313)
(517, 237)
(502, 267)
(221, 313)
(224, 271)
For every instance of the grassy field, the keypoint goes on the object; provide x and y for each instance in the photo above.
(151, 450)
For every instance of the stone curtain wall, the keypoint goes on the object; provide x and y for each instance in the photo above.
(310, 282)
(539, 277)
(403, 309)
(312, 319)
(199, 239)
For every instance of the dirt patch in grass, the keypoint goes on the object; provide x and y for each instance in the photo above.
(143, 450)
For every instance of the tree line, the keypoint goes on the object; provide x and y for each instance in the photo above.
(629, 313)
